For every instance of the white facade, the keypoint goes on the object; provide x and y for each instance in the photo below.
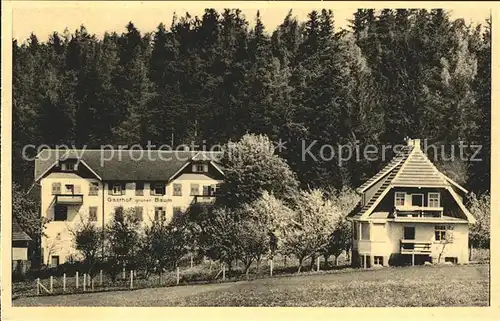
(384, 239)
(102, 199)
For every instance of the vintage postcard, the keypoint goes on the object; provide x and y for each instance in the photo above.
(312, 155)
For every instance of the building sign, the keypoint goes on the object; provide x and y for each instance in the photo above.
(138, 200)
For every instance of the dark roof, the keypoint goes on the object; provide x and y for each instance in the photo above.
(125, 164)
(418, 171)
(17, 233)
(398, 158)
(409, 168)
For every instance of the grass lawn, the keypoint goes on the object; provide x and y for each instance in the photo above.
(405, 286)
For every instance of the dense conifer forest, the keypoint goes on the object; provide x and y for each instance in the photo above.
(210, 79)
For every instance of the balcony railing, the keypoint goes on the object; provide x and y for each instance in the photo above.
(69, 199)
(415, 247)
(204, 198)
(418, 211)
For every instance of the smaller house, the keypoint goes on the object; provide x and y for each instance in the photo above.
(410, 213)
(20, 243)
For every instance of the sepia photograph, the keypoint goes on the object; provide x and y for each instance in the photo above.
(250, 155)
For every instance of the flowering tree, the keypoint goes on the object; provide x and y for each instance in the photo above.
(479, 233)
(345, 201)
(311, 226)
(272, 213)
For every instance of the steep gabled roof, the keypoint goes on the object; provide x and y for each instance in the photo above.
(388, 176)
(109, 165)
(386, 169)
(418, 171)
(409, 168)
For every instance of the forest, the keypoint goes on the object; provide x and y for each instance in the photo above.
(212, 79)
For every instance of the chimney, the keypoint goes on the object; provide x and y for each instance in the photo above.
(414, 142)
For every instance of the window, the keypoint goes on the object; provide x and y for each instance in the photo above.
(70, 189)
(207, 190)
(215, 189)
(440, 232)
(119, 213)
(139, 188)
(60, 212)
(201, 168)
(365, 231)
(417, 200)
(69, 166)
(177, 189)
(117, 189)
(399, 199)
(56, 188)
(453, 260)
(93, 213)
(443, 233)
(93, 188)
(409, 232)
(160, 213)
(434, 200)
(195, 189)
(54, 260)
(177, 212)
(378, 260)
(138, 213)
(158, 189)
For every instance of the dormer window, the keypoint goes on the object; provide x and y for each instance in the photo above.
(69, 166)
(399, 199)
(200, 168)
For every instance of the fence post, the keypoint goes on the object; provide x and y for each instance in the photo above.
(210, 266)
(92, 283)
(178, 276)
(51, 284)
(284, 261)
(77, 278)
(271, 267)
(64, 282)
(131, 279)
(317, 264)
(223, 272)
(191, 260)
(100, 278)
(124, 273)
(37, 286)
(84, 281)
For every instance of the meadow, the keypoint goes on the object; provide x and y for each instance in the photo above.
(440, 285)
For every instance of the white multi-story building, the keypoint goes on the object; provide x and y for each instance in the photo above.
(94, 184)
